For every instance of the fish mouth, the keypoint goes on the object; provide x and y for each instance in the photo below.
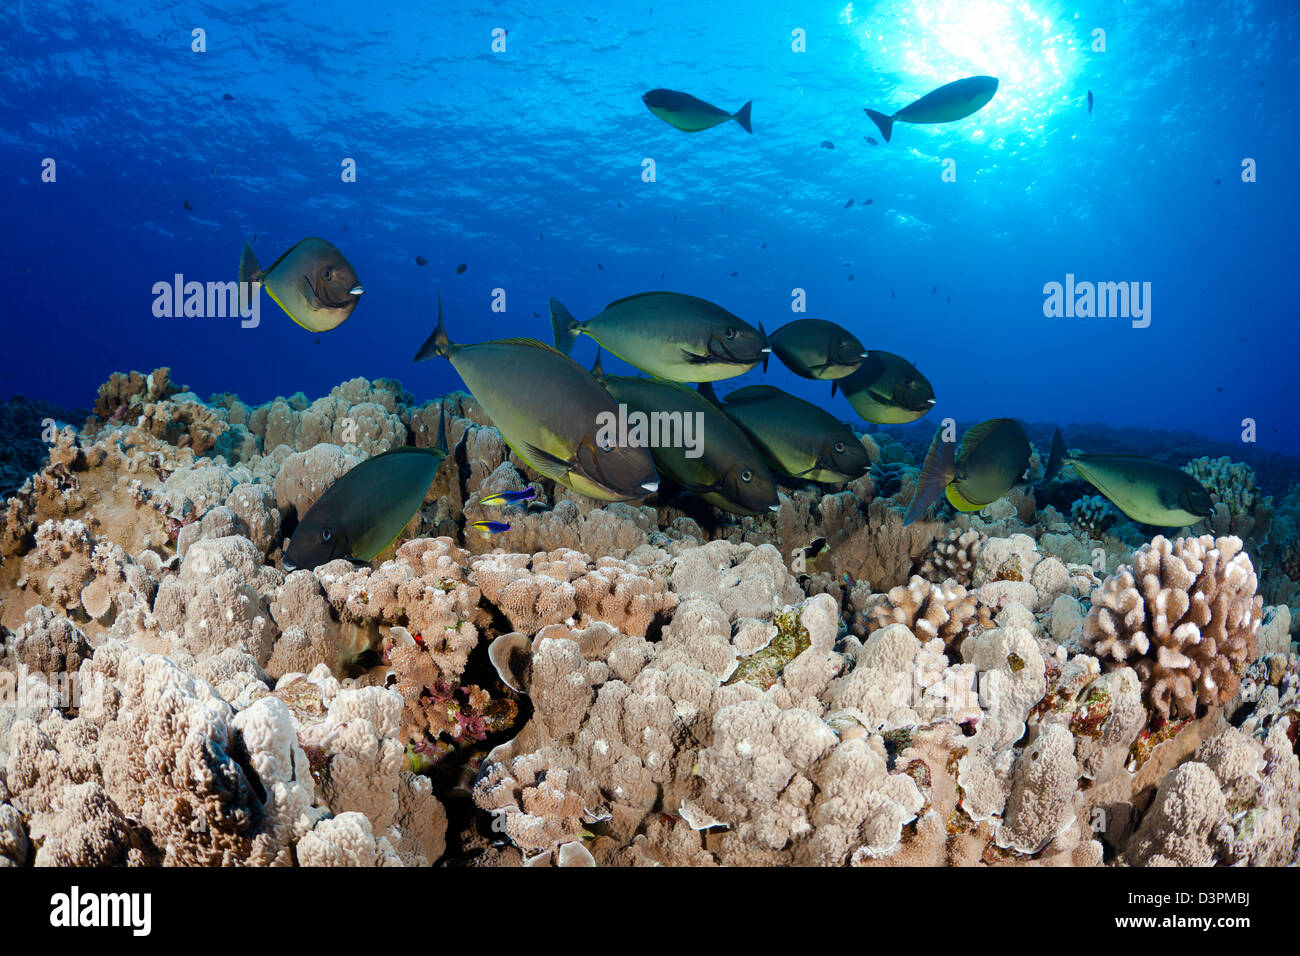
(765, 350)
(650, 486)
(865, 355)
(288, 565)
(931, 401)
(773, 507)
(356, 290)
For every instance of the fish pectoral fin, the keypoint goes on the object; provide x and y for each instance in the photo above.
(881, 397)
(552, 466)
(312, 297)
(693, 359)
(698, 489)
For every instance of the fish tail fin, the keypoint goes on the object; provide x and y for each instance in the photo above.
(884, 123)
(437, 343)
(565, 326)
(706, 390)
(935, 474)
(834, 386)
(249, 268)
(1057, 457)
(596, 368)
(742, 117)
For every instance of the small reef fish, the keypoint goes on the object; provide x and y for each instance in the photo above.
(502, 498)
(691, 115)
(313, 282)
(815, 348)
(669, 335)
(716, 461)
(489, 528)
(365, 510)
(950, 102)
(796, 437)
(993, 456)
(549, 410)
(887, 389)
(1147, 491)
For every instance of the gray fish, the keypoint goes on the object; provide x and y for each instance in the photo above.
(887, 389)
(950, 102)
(550, 411)
(313, 282)
(678, 337)
(365, 510)
(815, 348)
(992, 458)
(691, 115)
(796, 437)
(1147, 491)
(720, 464)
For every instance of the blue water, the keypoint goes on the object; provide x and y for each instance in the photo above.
(526, 167)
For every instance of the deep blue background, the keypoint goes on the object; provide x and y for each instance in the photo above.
(466, 156)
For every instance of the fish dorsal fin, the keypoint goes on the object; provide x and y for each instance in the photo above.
(977, 433)
(528, 343)
(753, 393)
(271, 268)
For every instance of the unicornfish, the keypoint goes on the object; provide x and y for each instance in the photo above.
(718, 463)
(365, 510)
(815, 348)
(796, 437)
(1147, 491)
(550, 411)
(668, 335)
(690, 115)
(887, 389)
(950, 102)
(993, 456)
(313, 282)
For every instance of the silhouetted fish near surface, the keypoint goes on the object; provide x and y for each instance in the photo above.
(815, 348)
(950, 102)
(365, 510)
(550, 411)
(887, 389)
(993, 456)
(1090, 102)
(827, 144)
(848, 204)
(313, 282)
(460, 269)
(188, 204)
(1145, 490)
(421, 261)
(868, 202)
(691, 115)
(669, 335)
(227, 96)
(871, 140)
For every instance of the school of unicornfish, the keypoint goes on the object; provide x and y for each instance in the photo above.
(680, 341)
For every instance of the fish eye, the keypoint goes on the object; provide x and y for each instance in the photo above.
(730, 333)
(326, 535)
(746, 475)
(839, 446)
(328, 273)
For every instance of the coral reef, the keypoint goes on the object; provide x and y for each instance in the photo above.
(645, 683)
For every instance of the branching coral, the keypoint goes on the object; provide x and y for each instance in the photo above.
(1184, 616)
(945, 611)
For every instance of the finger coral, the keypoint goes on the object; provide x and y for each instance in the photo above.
(1185, 616)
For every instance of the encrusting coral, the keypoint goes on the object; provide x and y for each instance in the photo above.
(643, 683)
